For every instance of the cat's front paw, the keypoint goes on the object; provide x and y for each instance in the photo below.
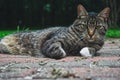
(87, 52)
(54, 50)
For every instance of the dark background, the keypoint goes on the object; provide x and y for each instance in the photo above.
(37, 14)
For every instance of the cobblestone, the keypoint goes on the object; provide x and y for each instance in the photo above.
(104, 66)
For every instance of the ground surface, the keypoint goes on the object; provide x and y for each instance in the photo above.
(106, 66)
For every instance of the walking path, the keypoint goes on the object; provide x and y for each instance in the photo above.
(106, 66)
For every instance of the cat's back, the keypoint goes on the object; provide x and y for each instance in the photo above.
(27, 42)
(32, 34)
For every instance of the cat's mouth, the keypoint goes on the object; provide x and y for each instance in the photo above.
(89, 40)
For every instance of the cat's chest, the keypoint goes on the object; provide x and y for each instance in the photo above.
(73, 46)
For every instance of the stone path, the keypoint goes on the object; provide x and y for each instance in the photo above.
(106, 66)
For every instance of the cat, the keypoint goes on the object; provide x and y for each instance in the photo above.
(83, 38)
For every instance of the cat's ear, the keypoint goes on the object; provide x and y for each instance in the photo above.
(81, 11)
(104, 14)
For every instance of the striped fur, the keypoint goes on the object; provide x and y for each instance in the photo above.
(58, 42)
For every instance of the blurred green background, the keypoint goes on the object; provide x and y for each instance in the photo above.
(37, 14)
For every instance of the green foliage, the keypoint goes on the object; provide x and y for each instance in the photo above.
(7, 32)
(18, 28)
(113, 33)
(4, 33)
(23, 29)
(47, 7)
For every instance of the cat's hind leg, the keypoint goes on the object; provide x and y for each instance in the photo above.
(53, 50)
(9, 45)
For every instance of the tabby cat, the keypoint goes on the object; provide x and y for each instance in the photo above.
(83, 38)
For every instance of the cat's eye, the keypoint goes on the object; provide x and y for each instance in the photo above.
(101, 27)
(102, 30)
(82, 26)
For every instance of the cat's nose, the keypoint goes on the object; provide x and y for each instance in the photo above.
(90, 33)
(91, 37)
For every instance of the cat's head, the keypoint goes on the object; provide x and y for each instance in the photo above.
(92, 26)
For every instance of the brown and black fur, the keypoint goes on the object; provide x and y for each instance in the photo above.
(58, 42)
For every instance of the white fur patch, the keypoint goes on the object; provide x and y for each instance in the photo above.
(64, 53)
(85, 52)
